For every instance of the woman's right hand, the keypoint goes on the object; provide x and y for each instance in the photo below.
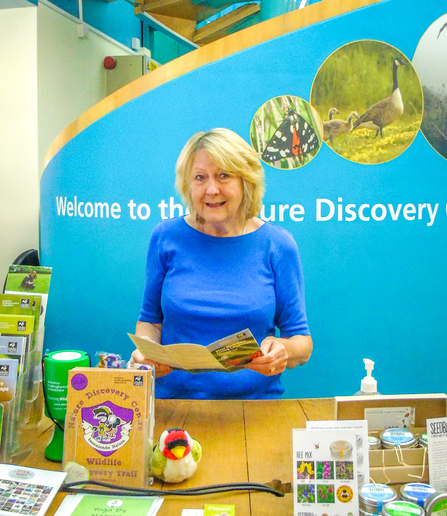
(160, 369)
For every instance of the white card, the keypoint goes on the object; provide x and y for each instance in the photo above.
(325, 472)
(360, 427)
(437, 452)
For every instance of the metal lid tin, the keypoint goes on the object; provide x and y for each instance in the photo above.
(423, 440)
(436, 504)
(398, 437)
(341, 449)
(374, 442)
(373, 496)
(416, 492)
(402, 508)
(366, 513)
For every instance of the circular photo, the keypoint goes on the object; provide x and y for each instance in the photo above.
(370, 100)
(430, 61)
(286, 132)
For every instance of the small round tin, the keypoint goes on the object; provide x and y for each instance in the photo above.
(436, 504)
(372, 497)
(423, 440)
(402, 508)
(416, 492)
(341, 449)
(366, 513)
(374, 442)
(402, 437)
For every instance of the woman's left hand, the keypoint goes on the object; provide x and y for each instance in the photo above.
(274, 360)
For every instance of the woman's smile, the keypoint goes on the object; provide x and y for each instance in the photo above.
(217, 196)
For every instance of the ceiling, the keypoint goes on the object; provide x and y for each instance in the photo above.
(186, 17)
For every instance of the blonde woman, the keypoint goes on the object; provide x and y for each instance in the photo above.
(221, 269)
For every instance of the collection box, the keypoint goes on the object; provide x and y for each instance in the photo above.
(396, 465)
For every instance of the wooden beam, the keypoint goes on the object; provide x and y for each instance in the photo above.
(210, 31)
(182, 26)
(154, 5)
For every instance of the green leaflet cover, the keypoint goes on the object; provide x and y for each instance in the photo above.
(98, 505)
(30, 279)
(21, 304)
(16, 324)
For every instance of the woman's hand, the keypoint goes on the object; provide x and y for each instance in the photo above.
(160, 369)
(153, 332)
(274, 360)
(280, 353)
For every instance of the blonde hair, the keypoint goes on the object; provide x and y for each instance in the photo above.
(230, 152)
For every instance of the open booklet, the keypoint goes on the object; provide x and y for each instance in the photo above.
(225, 355)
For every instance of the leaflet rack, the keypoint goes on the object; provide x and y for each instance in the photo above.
(24, 411)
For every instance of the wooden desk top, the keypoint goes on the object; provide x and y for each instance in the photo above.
(242, 441)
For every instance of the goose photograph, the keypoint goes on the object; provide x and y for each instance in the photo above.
(286, 132)
(378, 96)
(430, 62)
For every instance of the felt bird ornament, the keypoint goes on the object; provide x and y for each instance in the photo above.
(176, 455)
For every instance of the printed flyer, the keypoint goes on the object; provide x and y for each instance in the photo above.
(360, 427)
(325, 473)
(437, 452)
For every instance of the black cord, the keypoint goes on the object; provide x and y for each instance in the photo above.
(71, 487)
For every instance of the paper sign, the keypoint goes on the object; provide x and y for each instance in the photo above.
(390, 417)
(437, 452)
(361, 431)
(325, 472)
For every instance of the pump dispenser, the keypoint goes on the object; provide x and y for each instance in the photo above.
(368, 386)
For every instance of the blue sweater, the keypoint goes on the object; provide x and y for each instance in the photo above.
(203, 288)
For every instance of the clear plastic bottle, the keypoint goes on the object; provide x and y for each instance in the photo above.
(368, 386)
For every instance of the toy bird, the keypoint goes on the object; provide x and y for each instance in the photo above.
(176, 455)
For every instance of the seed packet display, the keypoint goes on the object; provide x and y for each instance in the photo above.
(108, 425)
(325, 472)
(27, 490)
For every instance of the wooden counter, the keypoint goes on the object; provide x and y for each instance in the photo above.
(242, 441)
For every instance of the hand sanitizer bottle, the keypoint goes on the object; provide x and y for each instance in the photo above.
(368, 386)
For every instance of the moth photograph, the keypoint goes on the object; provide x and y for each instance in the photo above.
(370, 98)
(286, 132)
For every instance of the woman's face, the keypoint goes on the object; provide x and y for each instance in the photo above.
(216, 195)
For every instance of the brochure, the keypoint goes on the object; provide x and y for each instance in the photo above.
(325, 472)
(27, 490)
(21, 304)
(16, 324)
(225, 355)
(13, 346)
(360, 427)
(8, 378)
(31, 280)
(98, 505)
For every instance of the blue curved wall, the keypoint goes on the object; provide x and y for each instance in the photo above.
(374, 289)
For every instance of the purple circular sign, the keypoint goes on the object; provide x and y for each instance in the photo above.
(79, 382)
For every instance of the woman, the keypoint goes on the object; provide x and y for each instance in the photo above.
(221, 269)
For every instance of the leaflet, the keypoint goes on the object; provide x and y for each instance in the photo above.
(227, 355)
